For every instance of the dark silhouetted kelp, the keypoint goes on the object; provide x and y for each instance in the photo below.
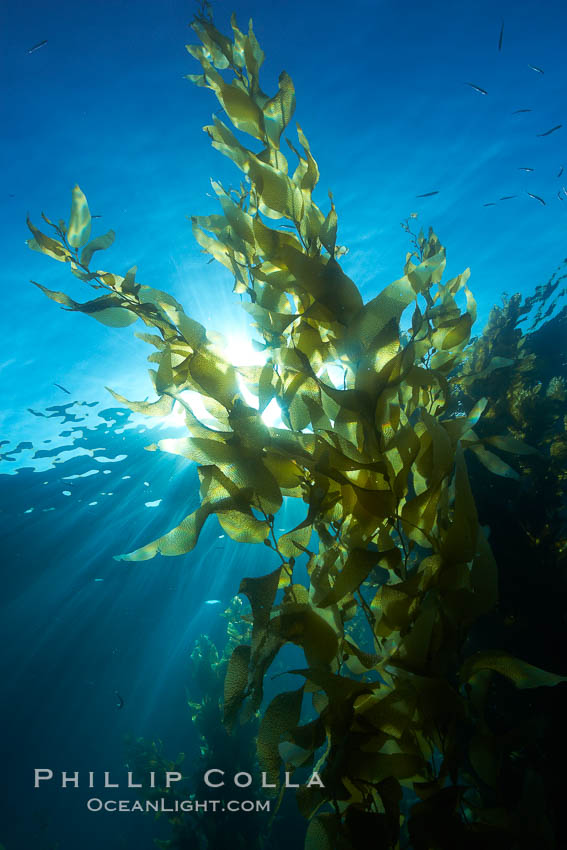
(399, 568)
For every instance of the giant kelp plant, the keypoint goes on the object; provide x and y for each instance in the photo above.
(398, 567)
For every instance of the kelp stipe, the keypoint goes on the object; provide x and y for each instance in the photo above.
(400, 569)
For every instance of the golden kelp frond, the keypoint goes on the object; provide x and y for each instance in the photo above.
(522, 674)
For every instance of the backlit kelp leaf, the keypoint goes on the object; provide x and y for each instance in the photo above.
(522, 674)
(239, 220)
(211, 245)
(311, 175)
(510, 444)
(294, 542)
(115, 317)
(238, 48)
(474, 415)
(459, 543)
(191, 331)
(415, 651)
(58, 297)
(178, 541)
(242, 110)
(243, 467)
(183, 538)
(396, 603)
(164, 375)
(435, 462)
(162, 407)
(288, 474)
(215, 377)
(374, 316)
(100, 243)
(84, 276)
(265, 647)
(269, 321)
(339, 689)
(225, 141)
(280, 109)
(328, 232)
(356, 569)
(261, 593)
(243, 527)
(494, 463)
(219, 46)
(279, 197)
(254, 56)
(107, 309)
(159, 299)
(79, 228)
(235, 683)
(280, 717)
(391, 713)
(46, 245)
(338, 292)
(359, 661)
(128, 283)
(402, 449)
(309, 628)
(268, 385)
(458, 334)
(253, 434)
(419, 515)
(281, 247)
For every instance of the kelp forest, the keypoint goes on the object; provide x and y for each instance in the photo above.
(425, 583)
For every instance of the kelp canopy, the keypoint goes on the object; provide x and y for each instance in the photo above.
(398, 566)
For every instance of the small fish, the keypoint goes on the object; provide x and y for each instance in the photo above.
(522, 168)
(428, 194)
(548, 132)
(99, 579)
(559, 196)
(560, 172)
(96, 216)
(507, 197)
(517, 111)
(536, 198)
(491, 204)
(501, 36)
(62, 388)
(213, 602)
(536, 69)
(477, 88)
(119, 700)
(37, 46)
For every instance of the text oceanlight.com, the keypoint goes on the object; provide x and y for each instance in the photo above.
(162, 805)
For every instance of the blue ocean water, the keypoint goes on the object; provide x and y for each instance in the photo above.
(385, 97)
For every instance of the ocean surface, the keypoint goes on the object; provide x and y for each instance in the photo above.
(441, 109)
